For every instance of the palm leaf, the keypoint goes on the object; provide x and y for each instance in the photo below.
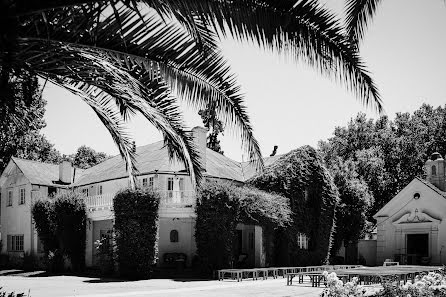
(359, 13)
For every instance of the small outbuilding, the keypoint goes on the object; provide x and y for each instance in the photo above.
(411, 228)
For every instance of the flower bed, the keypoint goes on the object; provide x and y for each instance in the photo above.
(425, 285)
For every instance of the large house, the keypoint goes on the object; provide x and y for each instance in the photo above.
(411, 228)
(24, 181)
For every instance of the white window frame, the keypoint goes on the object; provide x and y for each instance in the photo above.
(22, 196)
(151, 182)
(302, 241)
(144, 182)
(86, 192)
(17, 243)
(10, 198)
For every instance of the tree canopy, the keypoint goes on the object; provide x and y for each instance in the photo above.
(21, 120)
(86, 157)
(387, 154)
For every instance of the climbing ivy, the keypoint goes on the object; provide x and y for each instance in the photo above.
(301, 176)
(220, 207)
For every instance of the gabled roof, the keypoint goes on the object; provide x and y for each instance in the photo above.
(155, 156)
(416, 182)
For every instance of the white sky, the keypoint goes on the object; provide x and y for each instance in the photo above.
(290, 104)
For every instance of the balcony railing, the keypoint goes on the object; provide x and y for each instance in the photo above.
(97, 202)
(177, 199)
(169, 199)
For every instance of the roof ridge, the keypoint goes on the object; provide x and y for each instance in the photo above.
(34, 161)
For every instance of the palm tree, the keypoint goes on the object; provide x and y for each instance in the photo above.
(133, 56)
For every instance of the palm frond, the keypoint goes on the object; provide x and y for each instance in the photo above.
(89, 67)
(167, 53)
(359, 13)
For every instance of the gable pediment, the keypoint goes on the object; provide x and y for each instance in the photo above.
(415, 195)
(416, 216)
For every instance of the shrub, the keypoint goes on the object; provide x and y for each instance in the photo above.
(425, 285)
(136, 225)
(61, 224)
(217, 217)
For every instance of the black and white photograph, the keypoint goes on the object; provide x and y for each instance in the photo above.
(222, 148)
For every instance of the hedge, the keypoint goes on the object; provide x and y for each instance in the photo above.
(301, 176)
(61, 226)
(136, 226)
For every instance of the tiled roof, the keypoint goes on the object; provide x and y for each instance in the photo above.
(153, 157)
(433, 187)
(149, 158)
(40, 173)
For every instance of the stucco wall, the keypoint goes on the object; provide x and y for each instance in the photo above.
(397, 219)
(367, 250)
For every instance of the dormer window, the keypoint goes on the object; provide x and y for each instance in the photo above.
(434, 170)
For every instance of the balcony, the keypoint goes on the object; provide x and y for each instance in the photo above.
(99, 202)
(169, 199)
(177, 199)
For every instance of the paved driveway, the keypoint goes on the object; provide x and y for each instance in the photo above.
(62, 286)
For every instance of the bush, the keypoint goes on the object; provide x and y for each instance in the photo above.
(425, 285)
(136, 226)
(106, 256)
(217, 217)
(61, 225)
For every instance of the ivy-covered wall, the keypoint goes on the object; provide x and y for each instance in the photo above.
(136, 226)
(301, 176)
(220, 207)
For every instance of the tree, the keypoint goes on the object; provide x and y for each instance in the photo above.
(87, 157)
(21, 119)
(122, 60)
(386, 154)
(215, 127)
(355, 200)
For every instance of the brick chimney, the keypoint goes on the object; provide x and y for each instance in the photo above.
(199, 134)
(65, 172)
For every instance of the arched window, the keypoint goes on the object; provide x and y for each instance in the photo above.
(434, 170)
(174, 236)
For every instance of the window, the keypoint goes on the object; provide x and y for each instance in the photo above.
(302, 241)
(100, 190)
(151, 182)
(106, 237)
(306, 194)
(15, 243)
(9, 202)
(144, 182)
(170, 187)
(174, 236)
(85, 191)
(22, 196)
(52, 191)
(434, 170)
(181, 186)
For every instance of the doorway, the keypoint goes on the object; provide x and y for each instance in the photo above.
(417, 247)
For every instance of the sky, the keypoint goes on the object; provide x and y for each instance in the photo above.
(291, 104)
